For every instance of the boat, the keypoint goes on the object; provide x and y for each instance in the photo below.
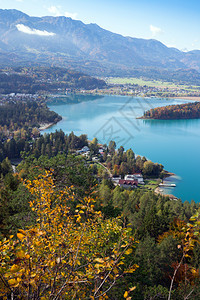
(167, 184)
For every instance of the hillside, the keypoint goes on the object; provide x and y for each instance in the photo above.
(61, 41)
(37, 79)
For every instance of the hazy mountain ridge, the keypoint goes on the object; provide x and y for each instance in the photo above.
(89, 46)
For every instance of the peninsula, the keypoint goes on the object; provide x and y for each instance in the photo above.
(174, 112)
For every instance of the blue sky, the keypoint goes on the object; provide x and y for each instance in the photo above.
(175, 23)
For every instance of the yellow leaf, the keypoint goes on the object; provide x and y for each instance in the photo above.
(78, 219)
(126, 294)
(12, 281)
(129, 251)
(14, 268)
(99, 260)
(132, 289)
(22, 231)
(20, 236)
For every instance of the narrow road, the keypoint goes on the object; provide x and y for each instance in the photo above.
(110, 174)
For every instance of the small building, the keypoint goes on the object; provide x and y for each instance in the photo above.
(136, 176)
(101, 151)
(116, 179)
(85, 149)
(95, 159)
(128, 183)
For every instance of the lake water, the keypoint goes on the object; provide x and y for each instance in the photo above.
(173, 143)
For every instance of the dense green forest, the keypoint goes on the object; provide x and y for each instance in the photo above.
(173, 112)
(36, 79)
(15, 115)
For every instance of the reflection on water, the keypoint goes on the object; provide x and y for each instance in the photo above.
(71, 99)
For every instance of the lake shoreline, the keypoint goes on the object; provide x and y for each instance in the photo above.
(45, 126)
(195, 99)
(159, 191)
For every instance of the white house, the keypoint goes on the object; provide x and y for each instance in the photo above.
(136, 176)
(116, 179)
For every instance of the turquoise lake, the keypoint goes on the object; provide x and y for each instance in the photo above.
(173, 143)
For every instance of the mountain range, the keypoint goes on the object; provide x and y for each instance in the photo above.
(61, 41)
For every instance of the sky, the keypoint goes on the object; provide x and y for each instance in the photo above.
(176, 23)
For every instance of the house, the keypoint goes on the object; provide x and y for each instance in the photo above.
(128, 183)
(101, 151)
(95, 159)
(85, 149)
(136, 176)
(116, 179)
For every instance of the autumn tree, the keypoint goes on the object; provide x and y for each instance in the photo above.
(65, 255)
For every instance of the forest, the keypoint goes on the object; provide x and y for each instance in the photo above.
(67, 232)
(15, 115)
(174, 112)
(30, 80)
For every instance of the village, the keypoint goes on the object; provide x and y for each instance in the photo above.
(128, 181)
(143, 91)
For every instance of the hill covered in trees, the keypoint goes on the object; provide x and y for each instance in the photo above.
(26, 114)
(37, 79)
(174, 112)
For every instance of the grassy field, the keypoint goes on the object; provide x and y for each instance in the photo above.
(150, 184)
(149, 83)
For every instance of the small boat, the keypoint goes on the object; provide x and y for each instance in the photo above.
(167, 184)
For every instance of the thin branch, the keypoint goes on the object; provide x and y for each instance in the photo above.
(187, 297)
(106, 290)
(79, 243)
(110, 270)
(64, 285)
(175, 271)
(66, 282)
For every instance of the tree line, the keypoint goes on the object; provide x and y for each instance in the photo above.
(173, 112)
(30, 80)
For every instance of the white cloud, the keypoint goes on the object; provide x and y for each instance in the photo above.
(171, 45)
(71, 15)
(56, 11)
(184, 50)
(28, 30)
(155, 30)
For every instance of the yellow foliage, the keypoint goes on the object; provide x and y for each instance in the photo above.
(20, 236)
(64, 252)
(129, 251)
